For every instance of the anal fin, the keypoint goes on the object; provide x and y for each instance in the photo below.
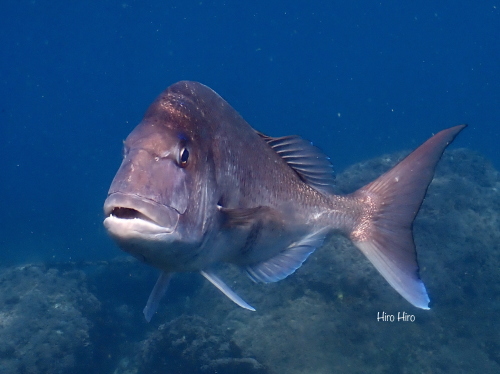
(224, 288)
(287, 261)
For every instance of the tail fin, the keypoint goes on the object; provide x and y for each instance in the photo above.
(384, 234)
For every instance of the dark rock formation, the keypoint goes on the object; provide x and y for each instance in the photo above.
(189, 344)
(44, 320)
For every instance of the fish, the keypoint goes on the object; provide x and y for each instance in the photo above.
(198, 186)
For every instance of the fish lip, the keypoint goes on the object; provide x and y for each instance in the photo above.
(130, 206)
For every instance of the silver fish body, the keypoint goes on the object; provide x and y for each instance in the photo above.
(199, 186)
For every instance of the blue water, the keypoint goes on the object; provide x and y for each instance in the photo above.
(358, 78)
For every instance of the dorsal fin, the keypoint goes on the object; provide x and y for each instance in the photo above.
(308, 161)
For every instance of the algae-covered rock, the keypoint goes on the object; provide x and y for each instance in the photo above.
(190, 344)
(44, 320)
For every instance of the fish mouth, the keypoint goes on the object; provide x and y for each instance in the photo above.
(139, 213)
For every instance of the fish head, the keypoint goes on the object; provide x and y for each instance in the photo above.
(163, 197)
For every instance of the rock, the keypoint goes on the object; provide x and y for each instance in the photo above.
(44, 320)
(189, 344)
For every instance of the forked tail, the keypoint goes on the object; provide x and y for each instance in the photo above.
(384, 233)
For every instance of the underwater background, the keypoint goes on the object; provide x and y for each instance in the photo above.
(365, 81)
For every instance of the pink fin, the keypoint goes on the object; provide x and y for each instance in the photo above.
(156, 295)
(384, 233)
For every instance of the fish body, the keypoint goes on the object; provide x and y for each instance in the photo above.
(199, 186)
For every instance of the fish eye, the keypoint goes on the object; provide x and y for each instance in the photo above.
(183, 157)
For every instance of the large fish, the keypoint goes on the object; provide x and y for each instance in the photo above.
(198, 186)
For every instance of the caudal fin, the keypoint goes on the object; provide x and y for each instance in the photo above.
(384, 234)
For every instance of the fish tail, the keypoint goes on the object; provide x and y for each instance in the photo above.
(384, 231)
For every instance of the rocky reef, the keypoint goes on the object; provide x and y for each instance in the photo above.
(45, 320)
(191, 344)
(332, 315)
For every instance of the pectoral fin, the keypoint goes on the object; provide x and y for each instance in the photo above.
(242, 217)
(224, 288)
(156, 295)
